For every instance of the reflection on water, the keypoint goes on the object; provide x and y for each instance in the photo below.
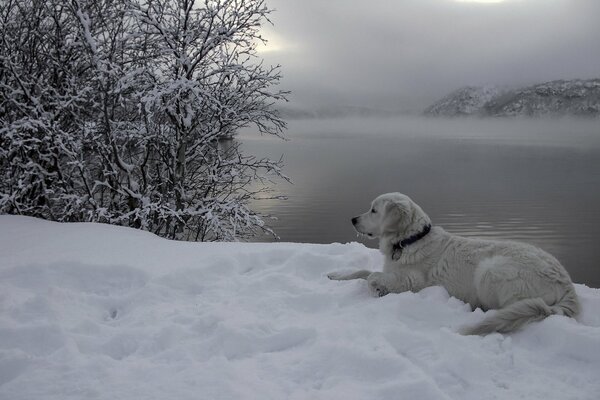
(536, 181)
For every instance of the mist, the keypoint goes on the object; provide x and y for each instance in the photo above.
(402, 56)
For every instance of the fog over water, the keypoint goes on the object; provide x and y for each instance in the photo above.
(532, 180)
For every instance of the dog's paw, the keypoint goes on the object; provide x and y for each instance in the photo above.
(376, 285)
(336, 276)
(379, 291)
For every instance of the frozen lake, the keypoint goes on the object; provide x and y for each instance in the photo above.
(536, 181)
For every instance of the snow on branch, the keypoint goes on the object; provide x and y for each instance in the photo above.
(115, 111)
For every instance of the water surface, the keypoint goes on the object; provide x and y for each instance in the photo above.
(536, 181)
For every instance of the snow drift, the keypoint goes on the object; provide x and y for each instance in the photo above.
(102, 312)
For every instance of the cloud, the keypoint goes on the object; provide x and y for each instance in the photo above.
(406, 53)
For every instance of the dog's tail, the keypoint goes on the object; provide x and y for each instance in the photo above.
(520, 313)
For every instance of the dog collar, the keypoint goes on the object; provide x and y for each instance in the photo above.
(399, 247)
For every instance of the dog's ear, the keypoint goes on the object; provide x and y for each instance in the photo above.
(395, 207)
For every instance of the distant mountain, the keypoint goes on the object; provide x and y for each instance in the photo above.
(468, 100)
(556, 98)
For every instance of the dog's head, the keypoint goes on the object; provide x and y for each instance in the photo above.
(391, 215)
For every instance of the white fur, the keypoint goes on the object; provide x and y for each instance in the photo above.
(522, 281)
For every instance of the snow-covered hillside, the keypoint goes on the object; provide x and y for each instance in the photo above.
(464, 101)
(91, 311)
(556, 98)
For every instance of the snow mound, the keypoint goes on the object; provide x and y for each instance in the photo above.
(100, 312)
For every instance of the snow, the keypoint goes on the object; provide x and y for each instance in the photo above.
(102, 312)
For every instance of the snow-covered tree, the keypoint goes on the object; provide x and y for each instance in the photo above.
(42, 100)
(115, 110)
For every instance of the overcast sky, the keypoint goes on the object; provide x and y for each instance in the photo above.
(404, 54)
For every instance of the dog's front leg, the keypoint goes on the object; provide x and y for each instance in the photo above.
(382, 283)
(342, 276)
(379, 283)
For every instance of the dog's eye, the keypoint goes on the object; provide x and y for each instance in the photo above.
(373, 210)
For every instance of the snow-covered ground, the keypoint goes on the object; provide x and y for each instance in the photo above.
(91, 311)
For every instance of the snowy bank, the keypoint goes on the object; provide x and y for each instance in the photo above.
(90, 311)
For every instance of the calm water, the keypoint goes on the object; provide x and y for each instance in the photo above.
(534, 181)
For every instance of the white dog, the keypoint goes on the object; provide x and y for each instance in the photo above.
(523, 282)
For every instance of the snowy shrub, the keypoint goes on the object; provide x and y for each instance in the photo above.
(115, 111)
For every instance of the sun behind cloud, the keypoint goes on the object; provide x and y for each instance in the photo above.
(480, 1)
(274, 42)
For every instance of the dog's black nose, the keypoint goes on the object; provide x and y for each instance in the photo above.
(354, 220)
